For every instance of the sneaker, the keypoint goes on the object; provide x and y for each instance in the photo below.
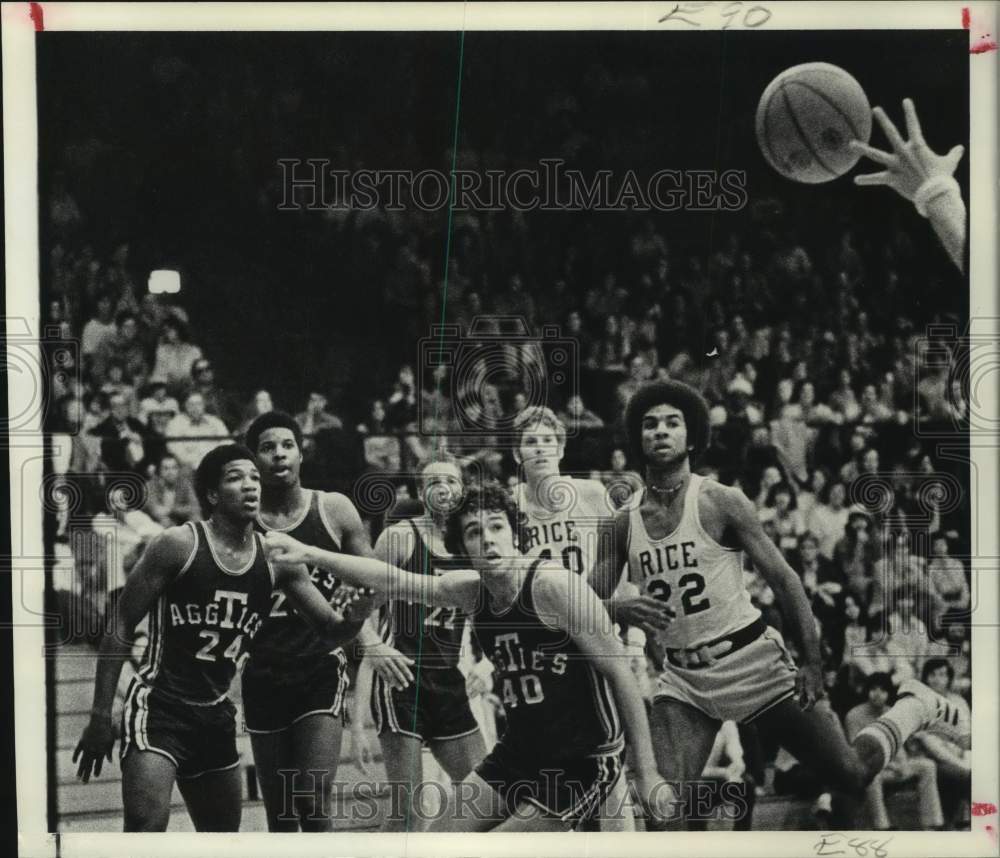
(943, 717)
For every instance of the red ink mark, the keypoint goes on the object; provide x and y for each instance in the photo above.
(991, 833)
(983, 808)
(37, 17)
(984, 44)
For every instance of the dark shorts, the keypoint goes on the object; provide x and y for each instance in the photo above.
(432, 708)
(571, 789)
(273, 702)
(196, 739)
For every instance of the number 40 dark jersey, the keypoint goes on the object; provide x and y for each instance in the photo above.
(558, 705)
(201, 626)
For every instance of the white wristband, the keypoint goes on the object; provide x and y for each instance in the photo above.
(932, 188)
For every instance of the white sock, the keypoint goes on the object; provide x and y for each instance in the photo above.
(893, 728)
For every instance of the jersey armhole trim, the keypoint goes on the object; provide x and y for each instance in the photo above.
(260, 547)
(324, 517)
(194, 551)
(530, 589)
(697, 521)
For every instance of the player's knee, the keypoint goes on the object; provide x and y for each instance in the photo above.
(146, 812)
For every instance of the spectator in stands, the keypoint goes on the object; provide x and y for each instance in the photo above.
(639, 372)
(170, 497)
(436, 405)
(780, 510)
(932, 389)
(133, 530)
(578, 417)
(315, 419)
(957, 406)
(948, 582)
(115, 384)
(900, 568)
(828, 518)
(402, 404)
(78, 453)
(954, 763)
(260, 404)
(856, 554)
(122, 438)
(808, 495)
(382, 450)
(903, 769)
(608, 351)
(621, 482)
(873, 408)
(157, 402)
(124, 347)
(843, 401)
(217, 402)
(193, 432)
(152, 315)
(825, 586)
(98, 329)
(175, 355)
(791, 437)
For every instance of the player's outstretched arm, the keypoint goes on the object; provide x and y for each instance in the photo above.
(456, 589)
(159, 565)
(568, 602)
(740, 518)
(337, 622)
(920, 175)
(643, 612)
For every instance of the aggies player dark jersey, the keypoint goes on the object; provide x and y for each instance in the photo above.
(430, 636)
(201, 626)
(557, 703)
(285, 637)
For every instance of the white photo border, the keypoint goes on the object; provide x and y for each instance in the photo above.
(26, 452)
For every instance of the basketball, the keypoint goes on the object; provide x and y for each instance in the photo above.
(807, 116)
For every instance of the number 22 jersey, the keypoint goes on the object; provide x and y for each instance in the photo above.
(696, 576)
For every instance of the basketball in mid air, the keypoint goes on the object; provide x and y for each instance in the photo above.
(807, 116)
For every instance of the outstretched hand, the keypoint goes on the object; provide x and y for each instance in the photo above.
(282, 548)
(649, 614)
(911, 162)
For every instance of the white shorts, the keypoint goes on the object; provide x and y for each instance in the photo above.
(737, 687)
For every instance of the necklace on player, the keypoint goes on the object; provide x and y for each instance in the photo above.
(668, 492)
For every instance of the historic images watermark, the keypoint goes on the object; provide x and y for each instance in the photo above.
(313, 184)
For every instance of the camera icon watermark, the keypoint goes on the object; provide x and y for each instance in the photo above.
(471, 372)
(36, 368)
(957, 376)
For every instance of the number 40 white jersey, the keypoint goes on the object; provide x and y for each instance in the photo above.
(568, 527)
(696, 576)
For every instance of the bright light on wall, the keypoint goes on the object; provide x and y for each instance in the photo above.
(164, 282)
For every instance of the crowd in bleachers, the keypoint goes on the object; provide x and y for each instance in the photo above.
(809, 341)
